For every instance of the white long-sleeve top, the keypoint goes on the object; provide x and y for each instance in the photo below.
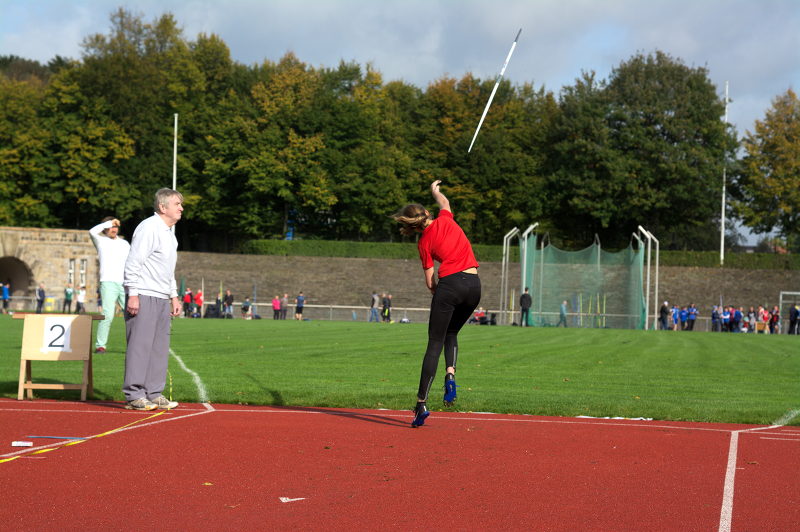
(113, 253)
(150, 268)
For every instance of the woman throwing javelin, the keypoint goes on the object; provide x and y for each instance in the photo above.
(455, 296)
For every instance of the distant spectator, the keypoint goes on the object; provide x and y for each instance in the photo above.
(187, 303)
(691, 317)
(562, 314)
(478, 317)
(299, 302)
(373, 309)
(663, 316)
(684, 316)
(40, 297)
(198, 301)
(227, 305)
(726, 319)
(737, 317)
(676, 317)
(246, 308)
(284, 306)
(276, 308)
(525, 308)
(763, 318)
(80, 300)
(775, 320)
(386, 312)
(715, 319)
(794, 311)
(752, 320)
(68, 293)
(6, 296)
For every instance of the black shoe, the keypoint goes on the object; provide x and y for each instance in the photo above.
(420, 413)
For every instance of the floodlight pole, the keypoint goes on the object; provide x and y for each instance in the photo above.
(175, 161)
(175, 156)
(724, 179)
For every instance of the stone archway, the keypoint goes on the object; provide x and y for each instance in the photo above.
(16, 273)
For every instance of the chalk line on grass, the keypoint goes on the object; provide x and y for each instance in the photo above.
(787, 417)
(202, 393)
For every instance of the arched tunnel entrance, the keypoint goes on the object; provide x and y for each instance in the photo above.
(16, 273)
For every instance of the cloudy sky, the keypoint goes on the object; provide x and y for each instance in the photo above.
(752, 44)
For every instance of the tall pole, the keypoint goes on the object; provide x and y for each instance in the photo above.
(175, 161)
(724, 179)
(175, 156)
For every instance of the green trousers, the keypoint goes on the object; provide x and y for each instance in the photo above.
(111, 294)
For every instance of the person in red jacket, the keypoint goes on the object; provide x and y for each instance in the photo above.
(455, 295)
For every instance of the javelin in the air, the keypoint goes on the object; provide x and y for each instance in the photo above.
(496, 84)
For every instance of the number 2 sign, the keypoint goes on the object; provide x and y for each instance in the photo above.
(57, 332)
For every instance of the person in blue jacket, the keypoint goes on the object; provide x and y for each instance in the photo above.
(692, 311)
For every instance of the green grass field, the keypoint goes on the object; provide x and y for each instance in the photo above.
(557, 372)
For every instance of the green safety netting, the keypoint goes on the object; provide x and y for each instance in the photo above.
(602, 289)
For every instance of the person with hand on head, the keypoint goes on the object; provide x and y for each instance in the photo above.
(456, 293)
(152, 301)
(112, 250)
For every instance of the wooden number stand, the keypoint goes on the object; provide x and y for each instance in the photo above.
(56, 337)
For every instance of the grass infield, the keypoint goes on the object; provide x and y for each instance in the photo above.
(692, 376)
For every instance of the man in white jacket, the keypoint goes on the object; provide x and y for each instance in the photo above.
(113, 251)
(152, 299)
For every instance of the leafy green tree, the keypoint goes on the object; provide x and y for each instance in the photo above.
(767, 186)
(87, 148)
(647, 147)
(26, 163)
(143, 73)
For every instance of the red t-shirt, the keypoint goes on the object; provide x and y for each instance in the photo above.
(445, 242)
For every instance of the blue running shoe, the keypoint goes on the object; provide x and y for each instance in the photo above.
(449, 390)
(420, 413)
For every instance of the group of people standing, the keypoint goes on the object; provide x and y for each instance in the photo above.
(729, 318)
(683, 318)
(733, 319)
(280, 306)
(382, 302)
(70, 294)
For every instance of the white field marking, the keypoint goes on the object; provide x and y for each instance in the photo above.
(201, 388)
(287, 499)
(209, 409)
(409, 416)
(787, 417)
(726, 512)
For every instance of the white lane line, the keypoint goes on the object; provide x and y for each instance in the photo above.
(726, 512)
(202, 393)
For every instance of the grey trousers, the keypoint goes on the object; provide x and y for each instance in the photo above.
(147, 355)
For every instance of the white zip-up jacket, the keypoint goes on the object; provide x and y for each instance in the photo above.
(150, 268)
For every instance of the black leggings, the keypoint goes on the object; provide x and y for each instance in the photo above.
(455, 300)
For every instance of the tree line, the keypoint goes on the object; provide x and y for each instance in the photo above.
(281, 147)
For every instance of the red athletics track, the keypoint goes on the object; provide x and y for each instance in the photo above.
(226, 467)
